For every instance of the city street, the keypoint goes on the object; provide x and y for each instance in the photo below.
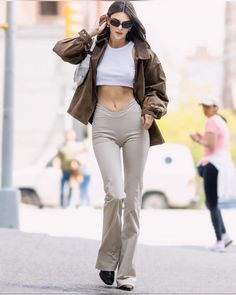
(56, 251)
(135, 63)
(158, 227)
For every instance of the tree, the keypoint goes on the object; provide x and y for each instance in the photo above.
(229, 61)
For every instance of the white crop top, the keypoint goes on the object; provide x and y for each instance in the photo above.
(116, 66)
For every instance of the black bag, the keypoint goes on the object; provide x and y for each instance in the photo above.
(200, 170)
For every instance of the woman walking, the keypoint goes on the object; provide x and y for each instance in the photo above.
(124, 91)
(216, 168)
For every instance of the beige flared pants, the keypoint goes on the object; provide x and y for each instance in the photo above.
(112, 131)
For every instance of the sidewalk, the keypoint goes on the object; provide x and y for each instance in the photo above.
(39, 263)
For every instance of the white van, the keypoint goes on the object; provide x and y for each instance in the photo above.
(169, 180)
(39, 183)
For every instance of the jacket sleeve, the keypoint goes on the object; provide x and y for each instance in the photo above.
(156, 100)
(75, 49)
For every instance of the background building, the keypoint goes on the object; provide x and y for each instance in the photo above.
(187, 37)
(43, 84)
(229, 60)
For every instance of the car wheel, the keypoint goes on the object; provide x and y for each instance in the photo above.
(29, 196)
(154, 201)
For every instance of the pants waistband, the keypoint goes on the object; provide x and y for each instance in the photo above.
(114, 113)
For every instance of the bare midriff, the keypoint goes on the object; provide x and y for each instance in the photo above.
(114, 98)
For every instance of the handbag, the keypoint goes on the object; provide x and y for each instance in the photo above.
(81, 69)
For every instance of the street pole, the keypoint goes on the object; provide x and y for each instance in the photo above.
(9, 197)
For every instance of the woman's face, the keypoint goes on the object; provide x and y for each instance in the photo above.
(120, 24)
(209, 110)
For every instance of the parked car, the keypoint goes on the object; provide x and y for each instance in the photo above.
(169, 180)
(39, 184)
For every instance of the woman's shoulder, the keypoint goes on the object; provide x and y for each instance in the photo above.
(152, 55)
(144, 50)
(216, 120)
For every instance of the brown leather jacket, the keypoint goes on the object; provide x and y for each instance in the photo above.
(149, 84)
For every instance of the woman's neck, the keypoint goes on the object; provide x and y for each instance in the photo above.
(211, 115)
(117, 43)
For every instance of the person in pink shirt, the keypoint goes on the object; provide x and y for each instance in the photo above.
(214, 167)
(216, 130)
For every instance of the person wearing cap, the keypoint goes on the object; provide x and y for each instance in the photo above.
(216, 167)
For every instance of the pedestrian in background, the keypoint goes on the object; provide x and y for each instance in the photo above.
(216, 167)
(68, 155)
(84, 155)
(124, 91)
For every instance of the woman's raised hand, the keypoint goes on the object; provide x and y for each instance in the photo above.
(100, 26)
(102, 23)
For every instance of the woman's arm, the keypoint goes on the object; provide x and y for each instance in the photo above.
(156, 100)
(208, 140)
(74, 49)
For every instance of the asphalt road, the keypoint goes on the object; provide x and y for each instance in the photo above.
(59, 254)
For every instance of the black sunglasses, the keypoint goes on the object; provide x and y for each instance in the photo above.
(116, 23)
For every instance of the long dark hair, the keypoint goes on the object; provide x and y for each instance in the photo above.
(137, 30)
(221, 116)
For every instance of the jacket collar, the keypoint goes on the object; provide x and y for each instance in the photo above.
(141, 47)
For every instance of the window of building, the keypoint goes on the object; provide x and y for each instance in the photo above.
(48, 8)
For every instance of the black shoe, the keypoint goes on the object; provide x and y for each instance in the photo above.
(126, 287)
(107, 276)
